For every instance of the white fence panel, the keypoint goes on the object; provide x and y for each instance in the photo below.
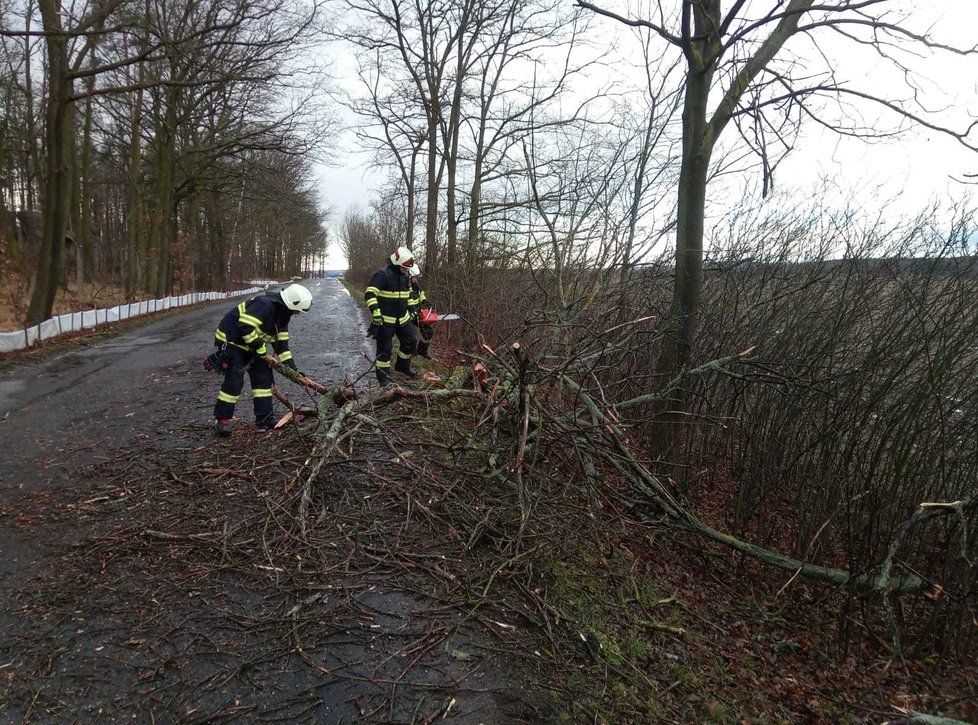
(74, 321)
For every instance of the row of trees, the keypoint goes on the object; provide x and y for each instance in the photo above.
(158, 144)
(575, 217)
(500, 140)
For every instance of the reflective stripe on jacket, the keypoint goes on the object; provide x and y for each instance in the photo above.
(417, 300)
(258, 321)
(389, 291)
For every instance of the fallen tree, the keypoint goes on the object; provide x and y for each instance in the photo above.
(524, 408)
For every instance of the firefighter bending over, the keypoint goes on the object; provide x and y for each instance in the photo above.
(242, 341)
(387, 297)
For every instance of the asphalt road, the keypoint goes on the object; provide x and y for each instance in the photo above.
(53, 411)
(110, 439)
(328, 342)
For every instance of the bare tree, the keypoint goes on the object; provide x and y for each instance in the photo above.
(741, 57)
(505, 107)
(447, 81)
(422, 37)
(62, 71)
(168, 91)
(393, 124)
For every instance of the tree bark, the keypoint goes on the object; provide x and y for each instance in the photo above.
(431, 207)
(164, 192)
(451, 141)
(475, 208)
(133, 193)
(684, 312)
(57, 186)
(702, 46)
(84, 248)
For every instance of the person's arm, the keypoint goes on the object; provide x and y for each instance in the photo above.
(281, 347)
(370, 297)
(249, 326)
(414, 301)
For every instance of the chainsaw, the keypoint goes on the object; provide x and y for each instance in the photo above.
(429, 317)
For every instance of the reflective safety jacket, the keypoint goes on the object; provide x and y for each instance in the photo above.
(255, 322)
(389, 291)
(417, 300)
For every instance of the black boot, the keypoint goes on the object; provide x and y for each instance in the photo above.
(423, 350)
(403, 366)
(383, 379)
(222, 426)
(266, 422)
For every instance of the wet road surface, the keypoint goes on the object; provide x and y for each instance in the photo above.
(99, 444)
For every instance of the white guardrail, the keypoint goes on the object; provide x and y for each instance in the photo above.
(74, 321)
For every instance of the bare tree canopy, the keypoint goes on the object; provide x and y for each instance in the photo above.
(170, 129)
(761, 67)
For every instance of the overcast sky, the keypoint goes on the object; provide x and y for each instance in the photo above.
(920, 165)
(916, 168)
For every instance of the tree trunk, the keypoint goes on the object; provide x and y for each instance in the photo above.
(677, 343)
(32, 160)
(451, 147)
(57, 185)
(8, 243)
(475, 206)
(412, 201)
(133, 195)
(431, 209)
(164, 192)
(218, 270)
(84, 249)
(134, 206)
(451, 228)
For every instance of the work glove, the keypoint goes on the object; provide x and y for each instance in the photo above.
(376, 324)
(216, 363)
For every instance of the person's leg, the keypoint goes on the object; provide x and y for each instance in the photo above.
(230, 390)
(261, 390)
(407, 339)
(425, 335)
(383, 359)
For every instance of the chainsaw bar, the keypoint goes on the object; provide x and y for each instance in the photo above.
(429, 317)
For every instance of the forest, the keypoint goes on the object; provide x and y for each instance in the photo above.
(156, 147)
(795, 368)
(662, 322)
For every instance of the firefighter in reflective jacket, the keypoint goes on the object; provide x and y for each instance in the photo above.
(417, 303)
(242, 341)
(387, 297)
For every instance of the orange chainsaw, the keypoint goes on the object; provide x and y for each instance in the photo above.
(429, 317)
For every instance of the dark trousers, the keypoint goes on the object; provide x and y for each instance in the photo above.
(425, 335)
(407, 339)
(261, 382)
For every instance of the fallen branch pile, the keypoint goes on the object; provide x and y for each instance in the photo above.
(530, 417)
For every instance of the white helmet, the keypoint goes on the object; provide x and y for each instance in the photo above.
(297, 298)
(415, 270)
(404, 258)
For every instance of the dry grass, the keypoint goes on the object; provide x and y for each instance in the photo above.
(15, 297)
